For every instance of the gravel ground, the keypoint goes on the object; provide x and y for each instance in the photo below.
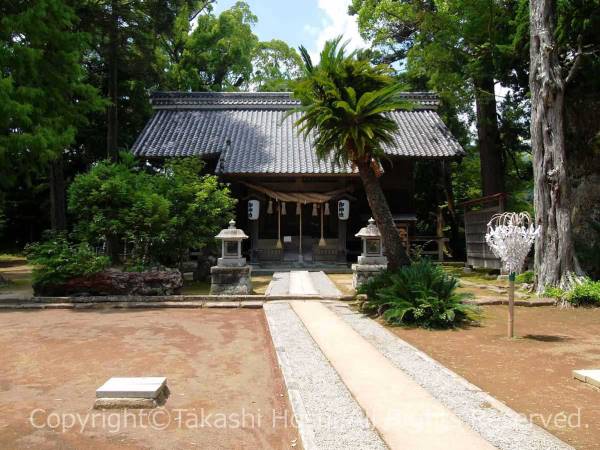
(498, 424)
(327, 415)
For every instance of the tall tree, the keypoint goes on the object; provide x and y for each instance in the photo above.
(126, 59)
(275, 66)
(458, 47)
(44, 98)
(344, 101)
(549, 77)
(217, 53)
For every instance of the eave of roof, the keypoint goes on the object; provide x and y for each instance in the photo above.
(252, 133)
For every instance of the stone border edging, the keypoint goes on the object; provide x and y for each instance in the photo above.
(491, 302)
(170, 301)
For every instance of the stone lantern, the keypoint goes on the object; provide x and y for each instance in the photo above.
(231, 275)
(371, 261)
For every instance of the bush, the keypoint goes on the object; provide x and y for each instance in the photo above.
(554, 292)
(160, 216)
(525, 277)
(421, 294)
(585, 294)
(56, 260)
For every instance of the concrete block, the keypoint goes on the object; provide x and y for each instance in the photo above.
(230, 280)
(132, 387)
(361, 273)
(589, 376)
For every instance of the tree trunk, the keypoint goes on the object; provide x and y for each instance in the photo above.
(390, 237)
(112, 249)
(490, 152)
(554, 256)
(58, 207)
(452, 220)
(112, 119)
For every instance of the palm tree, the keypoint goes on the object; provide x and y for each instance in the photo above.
(344, 103)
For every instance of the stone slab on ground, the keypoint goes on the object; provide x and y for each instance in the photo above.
(497, 423)
(327, 415)
(404, 413)
(589, 376)
(132, 387)
(301, 283)
(323, 284)
(279, 285)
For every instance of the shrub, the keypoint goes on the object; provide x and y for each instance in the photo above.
(159, 215)
(554, 292)
(585, 294)
(421, 294)
(56, 260)
(373, 286)
(525, 277)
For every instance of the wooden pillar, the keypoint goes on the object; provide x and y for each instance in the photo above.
(342, 244)
(322, 242)
(300, 255)
(253, 237)
(440, 234)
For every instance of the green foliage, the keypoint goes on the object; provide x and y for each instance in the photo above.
(373, 285)
(217, 54)
(454, 47)
(585, 294)
(159, 216)
(199, 206)
(344, 99)
(57, 260)
(554, 292)
(525, 277)
(44, 97)
(276, 65)
(421, 294)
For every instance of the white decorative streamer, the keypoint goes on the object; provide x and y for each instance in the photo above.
(510, 236)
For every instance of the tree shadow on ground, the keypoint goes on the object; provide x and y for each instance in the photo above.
(547, 337)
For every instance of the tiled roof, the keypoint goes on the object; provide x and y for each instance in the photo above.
(251, 133)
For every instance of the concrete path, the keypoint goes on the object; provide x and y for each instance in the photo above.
(327, 415)
(279, 285)
(301, 283)
(354, 384)
(404, 413)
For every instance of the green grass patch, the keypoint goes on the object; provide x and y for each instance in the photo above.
(196, 288)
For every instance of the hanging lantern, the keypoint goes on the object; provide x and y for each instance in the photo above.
(270, 207)
(298, 208)
(326, 212)
(314, 211)
(283, 211)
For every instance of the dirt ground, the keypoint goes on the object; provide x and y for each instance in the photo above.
(18, 272)
(343, 281)
(532, 374)
(226, 389)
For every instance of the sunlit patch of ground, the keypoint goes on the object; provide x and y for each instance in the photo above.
(532, 373)
(226, 387)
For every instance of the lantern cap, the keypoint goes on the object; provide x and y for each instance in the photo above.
(370, 231)
(232, 233)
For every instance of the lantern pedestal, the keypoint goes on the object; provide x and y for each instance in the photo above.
(361, 273)
(230, 280)
(371, 261)
(231, 275)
